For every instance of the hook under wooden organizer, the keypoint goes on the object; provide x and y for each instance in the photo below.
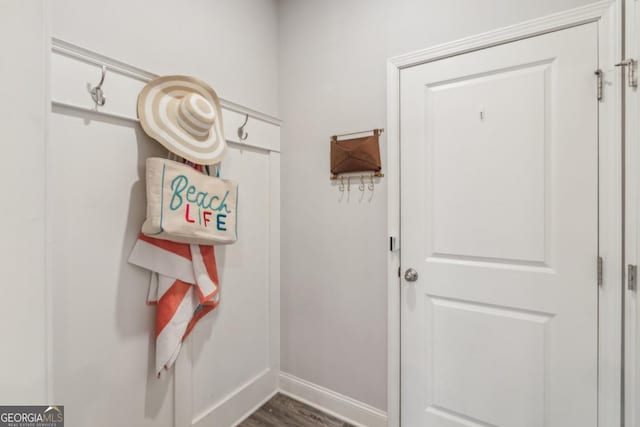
(357, 175)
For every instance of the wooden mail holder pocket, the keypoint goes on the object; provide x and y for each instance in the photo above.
(353, 155)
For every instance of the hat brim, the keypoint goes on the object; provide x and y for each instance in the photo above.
(157, 105)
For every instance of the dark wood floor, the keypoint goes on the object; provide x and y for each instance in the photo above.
(282, 411)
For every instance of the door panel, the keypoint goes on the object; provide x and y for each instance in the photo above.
(468, 353)
(499, 176)
(511, 228)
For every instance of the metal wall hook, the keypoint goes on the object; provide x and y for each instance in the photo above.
(348, 183)
(96, 92)
(371, 185)
(341, 185)
(361, 186)
(631, 65)
(241, 133)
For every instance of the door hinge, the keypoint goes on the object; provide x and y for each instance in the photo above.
(399, 272)
(600, 275)
(632, 71)
(599, 84)
(393, 243)
(632, 277)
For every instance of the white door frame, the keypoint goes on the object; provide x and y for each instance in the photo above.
(608, 16)
(632, 222)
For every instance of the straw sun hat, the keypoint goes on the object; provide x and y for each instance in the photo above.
(183, 114)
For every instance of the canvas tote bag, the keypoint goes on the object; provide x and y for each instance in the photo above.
(188, 206)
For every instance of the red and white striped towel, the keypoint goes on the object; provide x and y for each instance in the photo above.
(184, 286)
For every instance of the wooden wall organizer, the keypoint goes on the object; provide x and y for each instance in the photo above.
(353, 156)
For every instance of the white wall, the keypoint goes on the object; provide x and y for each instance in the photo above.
(103, 346)
(231, 44)
(22, 245)
(332, 76)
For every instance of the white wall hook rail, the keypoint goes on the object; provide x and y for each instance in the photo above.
(73, 70)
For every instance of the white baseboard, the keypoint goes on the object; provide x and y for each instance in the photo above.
(343, 407)
(255, 408)
(238, 405)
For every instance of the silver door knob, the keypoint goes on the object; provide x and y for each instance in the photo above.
(411, 275)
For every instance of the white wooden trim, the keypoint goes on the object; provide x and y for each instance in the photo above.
(606, 14)
(92, 57)
(610, 218)
(238, 404)
(632, 223)
(347, 409)
(75, 69)
(48, 264)
(393, 259)
(69, 109)
(274, 261)
(570, 18)
(255, 408)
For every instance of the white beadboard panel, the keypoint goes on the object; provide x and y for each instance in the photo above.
(232, 345)
(182, 390)
(236, 369)
(103, 345)
(74, 71)
(103, 349)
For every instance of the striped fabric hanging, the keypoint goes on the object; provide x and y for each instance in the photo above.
(184, 286)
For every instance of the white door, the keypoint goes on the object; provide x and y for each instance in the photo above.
(499, 178)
